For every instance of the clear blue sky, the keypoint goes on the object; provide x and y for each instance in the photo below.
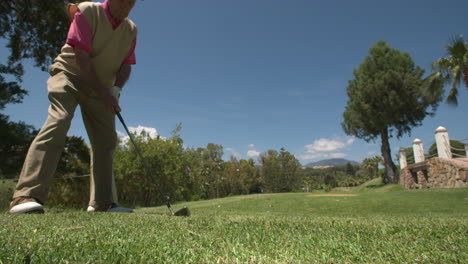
(253, 75)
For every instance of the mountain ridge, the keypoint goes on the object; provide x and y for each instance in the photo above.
(330, 162)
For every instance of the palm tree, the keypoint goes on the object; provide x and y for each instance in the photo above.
(372, 165)
(453, 69)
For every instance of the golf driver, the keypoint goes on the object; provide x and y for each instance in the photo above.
(182, 212)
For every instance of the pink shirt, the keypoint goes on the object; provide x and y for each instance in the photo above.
(80, 34)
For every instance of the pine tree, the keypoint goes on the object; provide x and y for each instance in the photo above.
(387, 97)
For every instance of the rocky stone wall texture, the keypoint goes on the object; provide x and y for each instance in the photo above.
(436, 173)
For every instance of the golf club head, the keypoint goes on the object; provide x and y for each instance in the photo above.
(183, 212)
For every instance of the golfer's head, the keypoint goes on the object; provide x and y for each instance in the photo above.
(120, 9)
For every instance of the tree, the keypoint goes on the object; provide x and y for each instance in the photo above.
(290, 178)
(371, 166)
(75, 159)
(14, 144)
(254, 180)
(66, 189)
(33, 29)
(271, 170)
(211, 159)
(453, 70)
(240, 177)
(194, 172)
(330, 181)
(350, 169)
(312, 178)
(387, 96)
(10, 92)
(280, 171)
(165, 159)
(215, 163)
(233, 182)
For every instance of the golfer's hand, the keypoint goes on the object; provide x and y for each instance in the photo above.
(115, 91)
(111, 103)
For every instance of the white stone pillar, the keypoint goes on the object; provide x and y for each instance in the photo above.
(466, 150)
(403, 163)
(443, 143)
(418, 150)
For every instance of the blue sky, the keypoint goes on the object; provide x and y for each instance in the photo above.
(253, 75)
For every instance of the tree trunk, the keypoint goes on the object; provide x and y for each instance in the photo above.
(391, 175)
(465, 76)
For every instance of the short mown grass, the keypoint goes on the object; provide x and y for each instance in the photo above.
(379, 225)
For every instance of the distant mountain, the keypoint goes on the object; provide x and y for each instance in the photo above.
(330, 162)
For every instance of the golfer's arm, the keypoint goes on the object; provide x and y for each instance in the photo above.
(122, 75)
(89, 72)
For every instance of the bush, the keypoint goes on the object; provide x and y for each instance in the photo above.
(70, 193)
(7, 188)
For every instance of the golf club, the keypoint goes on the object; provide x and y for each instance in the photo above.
(182, 212)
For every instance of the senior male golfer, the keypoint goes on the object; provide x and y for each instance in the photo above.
(90, 71)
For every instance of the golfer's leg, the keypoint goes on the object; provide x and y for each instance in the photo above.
(44, 153)
(100, 124)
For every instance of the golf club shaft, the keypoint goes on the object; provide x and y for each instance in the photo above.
(148, 169)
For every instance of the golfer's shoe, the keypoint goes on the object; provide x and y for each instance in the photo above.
(114, 208)
(25, 205)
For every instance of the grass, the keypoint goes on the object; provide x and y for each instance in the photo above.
(381, 224)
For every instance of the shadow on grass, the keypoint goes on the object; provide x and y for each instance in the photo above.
(152, 213)
(374, 186)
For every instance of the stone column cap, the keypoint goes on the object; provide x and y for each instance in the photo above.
(441, 129)
(417, 141)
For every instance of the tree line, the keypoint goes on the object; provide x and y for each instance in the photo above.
(194, 173)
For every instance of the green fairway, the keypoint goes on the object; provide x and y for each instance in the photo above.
(366, 224)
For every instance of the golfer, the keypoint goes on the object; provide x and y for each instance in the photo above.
(90, 71)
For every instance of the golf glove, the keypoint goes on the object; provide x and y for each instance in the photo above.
(115, 91)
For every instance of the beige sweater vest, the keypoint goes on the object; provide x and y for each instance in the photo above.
(109, 48)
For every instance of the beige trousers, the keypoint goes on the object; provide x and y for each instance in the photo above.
(66, 92)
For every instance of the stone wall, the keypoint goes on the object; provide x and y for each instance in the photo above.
(436, 173)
